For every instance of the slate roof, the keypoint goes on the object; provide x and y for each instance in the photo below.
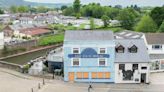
(126, 34)
(155, 38)
(156, 56)
(88, 35)
(141, 56)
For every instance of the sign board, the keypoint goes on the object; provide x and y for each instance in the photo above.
(89, 53)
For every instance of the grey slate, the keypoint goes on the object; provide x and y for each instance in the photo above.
(141, 56)
(156, 56)
(88, 35)
(155, 38)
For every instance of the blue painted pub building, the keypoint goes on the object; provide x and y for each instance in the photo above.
(89, 56)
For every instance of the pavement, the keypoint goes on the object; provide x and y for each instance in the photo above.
(157, 78)
(102, 88)
(12, 81)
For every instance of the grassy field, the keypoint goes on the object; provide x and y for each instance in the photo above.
(51, 39)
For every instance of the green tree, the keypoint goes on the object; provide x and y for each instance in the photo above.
(92, 24)
(146, 24)
(128, 17)
(1, 11)
(111, 12)
(76, 6)
(33, 10)
(78, 15)
(161, 28)
(23, 9)
(105, 19)
(14, 9)
(64, 7)
(158, 15)
(68, 11)
(42, 9)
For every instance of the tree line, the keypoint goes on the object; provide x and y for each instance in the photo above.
(131, 18)
(28, 9)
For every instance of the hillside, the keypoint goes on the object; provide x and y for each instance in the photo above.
(8, 3)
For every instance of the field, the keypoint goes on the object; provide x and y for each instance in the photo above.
(51, 39)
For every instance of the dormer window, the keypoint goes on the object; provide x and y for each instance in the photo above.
(120, 49)
(133, 49)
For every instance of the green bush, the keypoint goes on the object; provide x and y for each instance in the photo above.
(25, 68)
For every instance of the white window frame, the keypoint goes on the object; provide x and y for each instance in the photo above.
(105, 50)
(105, 62)
(77, 48)
(72, 62)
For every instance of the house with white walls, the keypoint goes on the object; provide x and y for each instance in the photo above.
(131, 61)
(154, 43)
(155, 46)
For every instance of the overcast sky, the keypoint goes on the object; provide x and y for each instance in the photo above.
(110, 2)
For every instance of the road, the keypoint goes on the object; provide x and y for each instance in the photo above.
(12, 81)
(102, 88)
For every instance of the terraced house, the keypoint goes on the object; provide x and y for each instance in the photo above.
(89, 56)
(98, 56)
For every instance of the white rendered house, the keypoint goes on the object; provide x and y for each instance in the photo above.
(131, 62)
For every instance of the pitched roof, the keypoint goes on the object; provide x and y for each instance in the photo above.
(34, 31)
(155, 38)
(141, 55)
(126, 34)
(156, 56)
(90, 35)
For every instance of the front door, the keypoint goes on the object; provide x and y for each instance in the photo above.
(71, 76)
(143, 77)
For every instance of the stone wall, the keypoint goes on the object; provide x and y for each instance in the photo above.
(26, 44)
(11, 66)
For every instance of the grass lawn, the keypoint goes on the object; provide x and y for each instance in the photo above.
(51, 39)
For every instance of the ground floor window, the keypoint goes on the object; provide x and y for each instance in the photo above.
(100, 75)
(121, 66)
(135, 66)
(82, 75)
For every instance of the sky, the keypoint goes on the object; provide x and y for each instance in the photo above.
(109, 2)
